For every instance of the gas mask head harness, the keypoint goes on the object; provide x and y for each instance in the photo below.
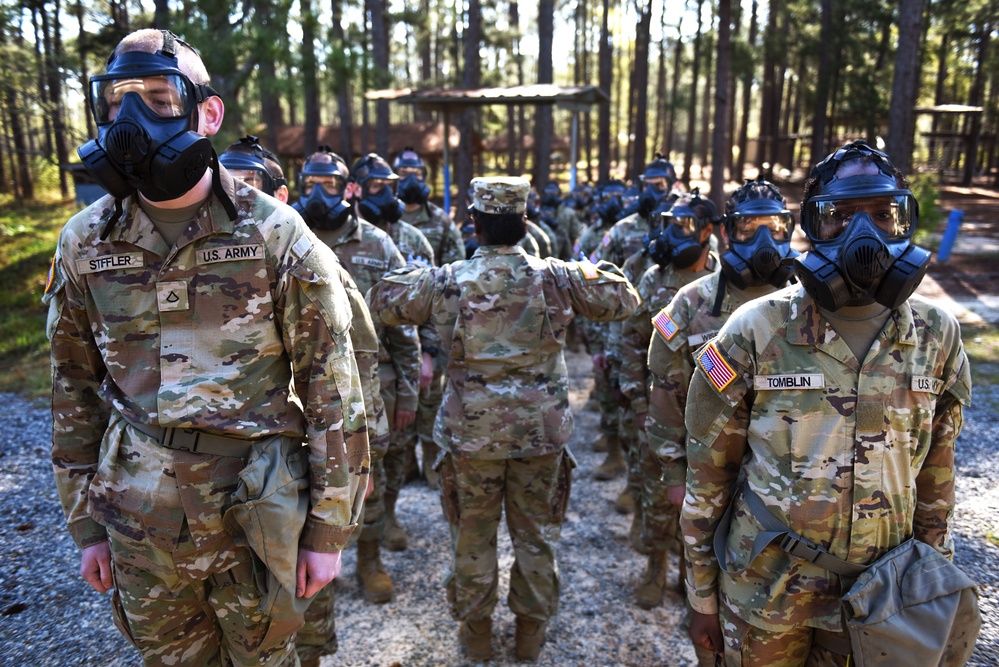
(146, 109)
(321, 183)
(412, 173)
(253, 164)
(377, 180)
(658, 179)
(551, 196)
(677, 238)
(860, 226)
(582, 194)
(609, 205)
(759, 229)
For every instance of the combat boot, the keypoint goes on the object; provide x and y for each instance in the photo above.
(476, 638)
(635, 533)
(430, 452)
(394, 538)
(529, 638)
(375, 581)
(650, 591)
(614, 464)
(625, 502)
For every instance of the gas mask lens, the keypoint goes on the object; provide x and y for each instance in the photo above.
(894, 215)
(403, 172)
(251, 177)
(742, 228)
(333, 185)
(165, 95)
(684, 225)
(376, 185)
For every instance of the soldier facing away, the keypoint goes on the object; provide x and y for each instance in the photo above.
(197, 339)
(505, 420)
(838, 401)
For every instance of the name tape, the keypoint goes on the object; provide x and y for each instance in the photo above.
(790, 381)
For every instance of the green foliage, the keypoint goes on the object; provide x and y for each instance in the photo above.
(924, 187)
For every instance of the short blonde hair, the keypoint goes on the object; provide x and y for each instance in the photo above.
(150, 40)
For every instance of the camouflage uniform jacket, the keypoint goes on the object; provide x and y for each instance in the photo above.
(679, 331)
(530, 246)
(593, 333)
(545, 244)
(368, 253)
(440, 230)
(503, 317)
(239, 329)
(413, 245)
(656, 288)
(856, 457)
(570, 224)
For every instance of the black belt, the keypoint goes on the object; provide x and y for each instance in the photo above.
(193, 440)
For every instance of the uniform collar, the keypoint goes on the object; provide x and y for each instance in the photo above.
(484, 250)
(806, 326)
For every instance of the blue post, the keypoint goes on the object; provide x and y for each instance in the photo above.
(950, 235)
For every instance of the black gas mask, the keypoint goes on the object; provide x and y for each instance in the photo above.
(412, 190)
(610, 210)
(382, 206)
(759, 235)
(323, 210)
(147, 116)
(860, 228)
(677, 240)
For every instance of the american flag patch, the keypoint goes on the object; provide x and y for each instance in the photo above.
(715, 367)
(606, 240)
(666, 326)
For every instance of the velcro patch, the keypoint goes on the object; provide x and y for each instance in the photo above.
(606, 240)
(589, 270)
(925, 383)
(715, 367)
(666, 326)
(126, 260)
(696, 340)
(230, 253)
(790, 381)
(369, 261)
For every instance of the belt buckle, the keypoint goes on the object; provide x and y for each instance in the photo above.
(183, 439)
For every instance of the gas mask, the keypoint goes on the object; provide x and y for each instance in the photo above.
(610, 210)
(147, 116)
(381, 206)
(860, 228)
(648, 200)
(759, 234)
(412, 190)
(322, 210)
(677, 241)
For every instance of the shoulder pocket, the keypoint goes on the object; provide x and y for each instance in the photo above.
(317, 275)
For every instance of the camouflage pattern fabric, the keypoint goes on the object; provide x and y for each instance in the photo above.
(160, 598)
(854, 456)
(624, 239)
(318, 636)
(229, 332)
(500, 194)
(569, 226)
(552, 237)
(250, 285)
(410, 241)
(440, 230)
(545, 248)
(530, 246)
(535, 492)
(503, 317)
(746, 645)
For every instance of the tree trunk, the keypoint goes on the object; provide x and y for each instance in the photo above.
(543, 131)
(677, 60)
(341, 81)
(310, 88)
(641, 79)
(464, 168)
(605, 65)
(380, 52)
(161, 14)
(271, 27)
(747, 96)
(513, 138)
(706, 103)
(53, 62)
(905, 84)
(821, 115)
(975, 98)
(82, 46)
(660, 98)
(24, 180)
(688, 149)
(939, 92)
(723, 66)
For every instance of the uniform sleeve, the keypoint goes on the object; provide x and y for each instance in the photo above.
(717, 420)
(670, 370)
(600, 291)
(635, 334)
(452, 245)
(315, 316)
(79, 416)
(935, 481)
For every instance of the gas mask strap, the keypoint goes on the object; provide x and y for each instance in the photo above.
(118, 210)
(219, 191)
(719, 294)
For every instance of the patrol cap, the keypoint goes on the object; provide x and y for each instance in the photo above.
(500, 194)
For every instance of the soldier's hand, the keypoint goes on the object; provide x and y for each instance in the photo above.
(600, 362)
(426, 372)
(315, 570)
(95, 567)
(675, 494)
(404, 419)
(705, 631)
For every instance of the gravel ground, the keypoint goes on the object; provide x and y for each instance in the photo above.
(49, 616)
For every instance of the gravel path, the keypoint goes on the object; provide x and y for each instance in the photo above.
(49, 616)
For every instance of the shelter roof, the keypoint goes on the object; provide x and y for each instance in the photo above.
(579, 97)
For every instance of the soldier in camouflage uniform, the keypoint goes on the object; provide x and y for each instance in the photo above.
(445, 238)
(367, 253)
(679, 248)
(626, 239)
(838, 401)
(255, 165)
(379, 206)
(190, 322)
(505, 420)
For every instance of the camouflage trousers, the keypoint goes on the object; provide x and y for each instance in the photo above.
(402, 446)
(660, 517)
(474, 492)
(748, 646)
(631, 443)
(195, 606)
(605, 400)
(426, 412)
(318, 636)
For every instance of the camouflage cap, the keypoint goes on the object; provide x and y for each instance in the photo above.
(500, 194)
